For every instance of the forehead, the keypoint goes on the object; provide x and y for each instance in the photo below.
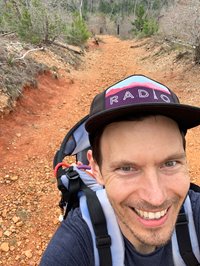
(147, 131)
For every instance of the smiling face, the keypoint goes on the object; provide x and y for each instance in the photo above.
(144, 172)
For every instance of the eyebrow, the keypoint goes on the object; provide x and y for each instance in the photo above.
(115, 164)
(181, 155)
(174, 156)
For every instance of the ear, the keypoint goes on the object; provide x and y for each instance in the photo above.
(95, 168)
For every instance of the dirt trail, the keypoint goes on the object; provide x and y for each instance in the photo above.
(31, 134)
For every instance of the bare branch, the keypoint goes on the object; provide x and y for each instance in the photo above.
(7, 33)
(27, 52)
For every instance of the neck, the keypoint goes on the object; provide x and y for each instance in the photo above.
(144, 249)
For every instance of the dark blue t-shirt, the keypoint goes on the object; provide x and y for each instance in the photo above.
(72, 245)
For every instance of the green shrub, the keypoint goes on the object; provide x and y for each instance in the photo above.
(140, 19)
(144, 25)
(34, 23)
(150, 27)
(25, 28)
(77, 33)
(9, 17)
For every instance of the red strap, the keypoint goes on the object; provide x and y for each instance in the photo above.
(58, 166)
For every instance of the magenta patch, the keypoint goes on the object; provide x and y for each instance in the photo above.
(137, 95)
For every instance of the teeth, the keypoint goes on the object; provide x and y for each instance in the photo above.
(151, 215)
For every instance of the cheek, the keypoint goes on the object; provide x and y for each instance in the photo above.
(118, 189)
(180, 183)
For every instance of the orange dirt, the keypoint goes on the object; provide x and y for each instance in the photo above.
(31, 134)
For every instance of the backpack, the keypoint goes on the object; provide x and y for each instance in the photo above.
(74, 183)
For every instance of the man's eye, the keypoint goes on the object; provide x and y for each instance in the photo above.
(126, 168)
(170, 163)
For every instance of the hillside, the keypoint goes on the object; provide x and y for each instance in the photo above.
(31, 134)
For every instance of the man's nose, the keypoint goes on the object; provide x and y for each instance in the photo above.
(153, 190)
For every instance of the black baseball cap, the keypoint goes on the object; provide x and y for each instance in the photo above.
(139, 95)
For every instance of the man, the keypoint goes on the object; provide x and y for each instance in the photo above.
(137, 133)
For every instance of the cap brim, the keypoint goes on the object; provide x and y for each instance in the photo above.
(185, 115)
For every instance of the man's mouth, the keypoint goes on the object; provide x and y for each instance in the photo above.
(150, 215)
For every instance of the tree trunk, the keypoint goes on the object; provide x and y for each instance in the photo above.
(80, 8)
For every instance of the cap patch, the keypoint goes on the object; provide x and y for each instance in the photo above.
(136, 90)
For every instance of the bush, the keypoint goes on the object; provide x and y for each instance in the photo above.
(78, 33)
(140, 19)
(150, 27)
(34, 23)
(144, 25)
(25, 28)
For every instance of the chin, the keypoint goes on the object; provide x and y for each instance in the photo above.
(156, 238)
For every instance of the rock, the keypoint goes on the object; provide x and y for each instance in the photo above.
(12, 248)
(14, 177)
(56, 221)
(4, 246)
(28, 254)
(4, 213)
(17, 257)
(7, 233)
(18, 135)
(19, 224)
(39, 252)
(19, 243)
(15, 219)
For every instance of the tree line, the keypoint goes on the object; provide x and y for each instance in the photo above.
(39, 21)
(73, 21)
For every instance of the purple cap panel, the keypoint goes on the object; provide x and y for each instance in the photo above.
(137, 90)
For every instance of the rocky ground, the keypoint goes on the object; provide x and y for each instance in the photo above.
(33, 131)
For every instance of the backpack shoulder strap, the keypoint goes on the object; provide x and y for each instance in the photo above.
(98, 220)
(117, 242)
(194, 187)
(181, 240)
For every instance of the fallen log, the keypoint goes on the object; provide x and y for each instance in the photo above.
(72, 48)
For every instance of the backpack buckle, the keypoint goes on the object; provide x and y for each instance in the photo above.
(71, 174)
(103, 241)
